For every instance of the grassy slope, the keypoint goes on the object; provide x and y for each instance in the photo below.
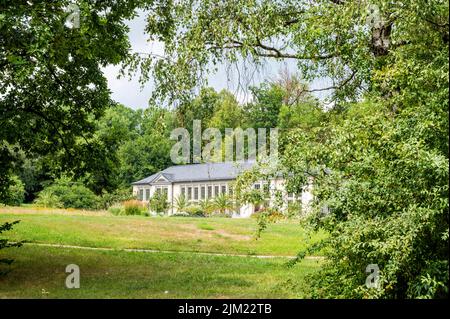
(221, 235)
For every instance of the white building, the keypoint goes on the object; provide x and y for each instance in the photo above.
(205, 181)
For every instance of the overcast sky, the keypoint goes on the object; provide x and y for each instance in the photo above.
(130, 93)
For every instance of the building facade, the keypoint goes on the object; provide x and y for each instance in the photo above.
(198, 182)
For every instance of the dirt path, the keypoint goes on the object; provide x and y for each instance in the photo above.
(164, 251)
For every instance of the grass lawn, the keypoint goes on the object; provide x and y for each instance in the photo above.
(39, 272)
(221, 235)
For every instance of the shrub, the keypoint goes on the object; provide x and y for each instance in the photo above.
(48, 199)
(15, 193)
(181, 203)
(294, 209)
(116, 197)
(158, 203)
(134, 207)
(223, 205)
(69, 194)
(207, 206)
(195, 211)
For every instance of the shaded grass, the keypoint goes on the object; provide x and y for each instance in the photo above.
(39, 272)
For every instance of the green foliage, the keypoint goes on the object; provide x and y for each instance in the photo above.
(158, 203)
(387, 188)
(149, 151)
(132, 207)
(207, 205)
(196, 211)
(227, 112)
(15, 193)
(263, 111)
(294, 209)
(52, 85)
(223, 204)
(48, 198)
(380, 165)
(181, 203)
(202, 108)
(119, 195)
(63, 192)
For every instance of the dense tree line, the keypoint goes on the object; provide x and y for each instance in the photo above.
(136, 143)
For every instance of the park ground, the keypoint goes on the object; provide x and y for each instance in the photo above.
(152, 257)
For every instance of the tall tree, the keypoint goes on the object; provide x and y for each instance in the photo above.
(263, 111)
(227, 112)
(201, 107)
(149, 150)
(52, 86)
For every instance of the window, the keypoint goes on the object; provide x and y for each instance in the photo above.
(147, 194)
(216, 190)
(257, 186)
(141, 194)
(161, 190)
(195, 193)
(202, 192)
(223, 189)
(230, 190)
(210, 189)
(189, 193)
(183, 191)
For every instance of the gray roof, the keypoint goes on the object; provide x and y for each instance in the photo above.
(200, 172)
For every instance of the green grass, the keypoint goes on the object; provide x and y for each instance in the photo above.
(222, 235)
(39, 272)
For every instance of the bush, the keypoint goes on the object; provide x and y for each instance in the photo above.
(195, 211)
(116, 197)
(294, 209)
(134, 207)
(65, 193)
(15, 193)
(158, 203)
(48, 199)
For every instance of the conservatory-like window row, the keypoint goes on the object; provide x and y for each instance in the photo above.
(200, 192)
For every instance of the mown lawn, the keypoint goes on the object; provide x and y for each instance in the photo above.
(221, 235)
(39, 271)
